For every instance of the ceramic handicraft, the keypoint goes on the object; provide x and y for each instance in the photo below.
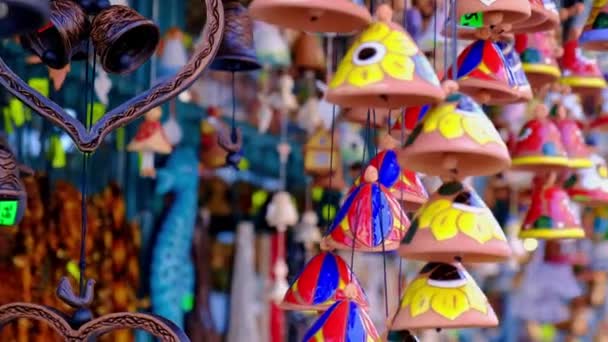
(150, 139)
(538, 58)
(522, 85)
(595, 32)
(572, 138)
(580, 73)
(343, 321)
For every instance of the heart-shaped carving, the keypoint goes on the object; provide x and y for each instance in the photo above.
(157, 326)
(87, 140)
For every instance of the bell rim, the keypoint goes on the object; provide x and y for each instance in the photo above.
(552, 233)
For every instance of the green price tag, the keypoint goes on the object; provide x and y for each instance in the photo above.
(472, 20)
(8, 212)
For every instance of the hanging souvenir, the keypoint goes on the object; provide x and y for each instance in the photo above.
(370, 219)
(237, 52)
(456, 135)
(325, 280)
(270, 45)
(213, 156)
(384, 69)
(318, 153)
(407, 120)
(544, 17)
(539, 145)
(483, 73)
(549, 215)
(150, 139)
(572, 138)
(589, 185)
(538, 58)
(595, 31)
(580, 73)
(444, 296)
(308, 53)
(344, 321)
(522, 86)
(23, 16)
(455, 224)
(340, 16)
(501, 13)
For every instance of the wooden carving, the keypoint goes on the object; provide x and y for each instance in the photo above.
(87, 140)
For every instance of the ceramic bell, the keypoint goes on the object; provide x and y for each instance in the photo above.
(572, 138)
(539, 145)
(538, 60)
(544, 17)
(483, 73)
(580, 73)
(384, 69)
(340, 16)
(271, 47)
(237, 51)
(497, 12)
(123, 39)
(590, 185)
(150, 139)
(595, 31)
(343, 322)
(62, 38)
(370, 218)
(522, 85)
(549, 215)
(281, 211)
(23, 16)
(455, 224)
(321, 150)
(444, 296)
(456, 135)
(325, 280)
(308, 53)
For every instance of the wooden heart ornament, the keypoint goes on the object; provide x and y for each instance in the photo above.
(87, 140)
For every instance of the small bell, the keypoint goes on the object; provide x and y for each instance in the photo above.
(343, 321)
(444, 296)
(522, 86)
(538, 58)
(22, 16)
(544, 17)
(455, 224)
(340, 16)
(456, 137)
(308, 53)
(123, 39)
(582, 74)
(595, 31)
(236, 52)
(63, 38)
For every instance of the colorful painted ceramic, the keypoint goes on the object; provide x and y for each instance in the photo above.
(572, 139)
(345, 321)
(538, 60)
(495, 12)
(444, 296)
(544, 17)
(341, 16)
(308, 53)
(580, 73)
(595, 32)
(539, 145)
(150, 139)
(454, 224)
(321, 284)
(407, 120)
(590, 185)
(550, 216)
(371, 218)
(483, 73)
(459, 132)
(384, 69)
(522, 86)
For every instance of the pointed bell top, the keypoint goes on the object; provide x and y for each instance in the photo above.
(444, 295)
(384, 69)
(595, 31)
(343, 322)
(455, 223)
(325, 280)
(458, 129)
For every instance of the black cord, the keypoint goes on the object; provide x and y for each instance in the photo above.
(331, 160)
(382, 235)
(367, 133)
(233, 135)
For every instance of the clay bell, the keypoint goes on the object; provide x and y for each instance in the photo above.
(23, 16)
(572, 138)
(483, 74)
(522, 86)
(62, 38)
(308, 53)
(444, 296)
(237, 51)
(549, 215)
(123, 39)
(455, 224)
(343, 321)
(370, 219)
(325, 279)
(595, 31)
(538, 60)
(340, 16)
(456, 137)
(384, 69)
(496, 12)
(407, 120)
(582, 74)
(544, 17)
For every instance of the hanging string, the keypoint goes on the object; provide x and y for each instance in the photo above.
(435, 19)
(454, 41)
(331, 162)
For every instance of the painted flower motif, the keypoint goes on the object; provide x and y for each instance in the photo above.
(379, 51)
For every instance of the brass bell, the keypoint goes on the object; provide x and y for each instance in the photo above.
(59, 41)
(22, 16)
(124, 39)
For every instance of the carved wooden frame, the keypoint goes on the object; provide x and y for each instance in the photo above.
(87, 140)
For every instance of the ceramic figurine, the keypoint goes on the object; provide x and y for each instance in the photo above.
(370, 219)
(172, 52)
(271, 46)
(581, 73)
(213, 156)
(103, 85)
(309, 117)
(522, 86)
(572, 138)
(456, 136)
(340, 16)
(538, 58)
(443, 296)
(318, 153)
(455, 224)
(499, 13)
(595, 31)
(590, 185)
(343, 321)
(368, 77)
(150, 139)
(281, 211)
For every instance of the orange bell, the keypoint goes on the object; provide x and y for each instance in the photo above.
(308, 53)
(455, 224)
(444, 296)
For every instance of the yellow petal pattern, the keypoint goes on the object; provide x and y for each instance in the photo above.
(364, 75)
(421, 302)
(398, 67)
(450, 303)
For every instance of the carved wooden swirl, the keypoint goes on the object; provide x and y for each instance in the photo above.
(89, 140)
